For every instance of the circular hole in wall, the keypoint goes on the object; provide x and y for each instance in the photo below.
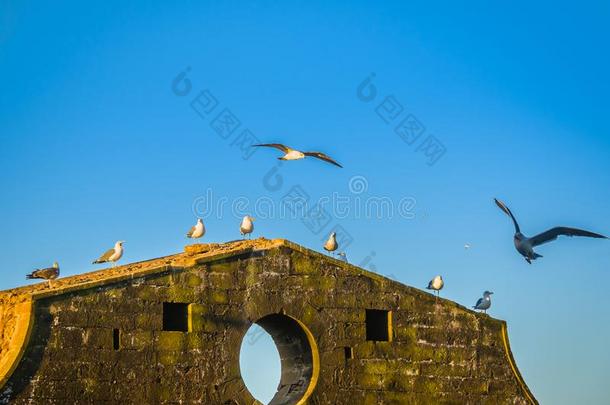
(259, 362)
(279, 360)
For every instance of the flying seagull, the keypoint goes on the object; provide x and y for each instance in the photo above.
(113, 255)
(50, 273)
(485, 302)
(197, 231)
(293, 154)
(247, 226)
(525, 245)
(331, 244)
(436, 284)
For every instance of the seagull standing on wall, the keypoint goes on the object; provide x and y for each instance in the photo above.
(293, 154)
(247, 226)
(197, 231)
(49, 273)
(525, 245)
(331, 244)
(484, 303)
(436, 284)
(113, 255)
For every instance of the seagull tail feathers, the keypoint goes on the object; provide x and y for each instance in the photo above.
(29, 276)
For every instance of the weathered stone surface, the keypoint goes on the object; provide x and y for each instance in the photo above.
(100, 338)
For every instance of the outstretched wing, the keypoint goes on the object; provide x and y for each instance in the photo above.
(552, 234)
(190, 232)
(508, 212)
(279, 146)
(323, 157)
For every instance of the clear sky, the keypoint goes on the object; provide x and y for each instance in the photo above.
(99, 142)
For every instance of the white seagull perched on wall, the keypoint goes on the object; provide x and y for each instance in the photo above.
(484, 303)
(436, 284)
(197, 231)
(293, 154)
(113, 255)
(49, 273)
(247, 226)
(331, 244)
(525, 245)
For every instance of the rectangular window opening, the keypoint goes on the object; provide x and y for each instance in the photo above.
(116, 339)
(176, 317)
(349, 352)
(378, 325)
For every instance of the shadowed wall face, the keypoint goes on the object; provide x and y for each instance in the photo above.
(344, 336)
(297, 357)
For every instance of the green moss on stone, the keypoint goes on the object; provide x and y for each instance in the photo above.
(170, 340)
(219, 297)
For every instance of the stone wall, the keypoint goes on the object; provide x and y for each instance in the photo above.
(107, 344)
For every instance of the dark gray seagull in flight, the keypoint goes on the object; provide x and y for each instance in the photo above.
(525, 245)
(293, 154)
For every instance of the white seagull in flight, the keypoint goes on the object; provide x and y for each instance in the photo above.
(293, 154)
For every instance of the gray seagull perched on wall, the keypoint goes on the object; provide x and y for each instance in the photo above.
(342, 256)
(197, 231)
(331, 244)
(525, 245)
(113, 255)
(49, 273)
(484, 303)
(436, 284)
(293, 154)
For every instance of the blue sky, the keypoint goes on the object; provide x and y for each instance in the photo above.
(95, 145)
